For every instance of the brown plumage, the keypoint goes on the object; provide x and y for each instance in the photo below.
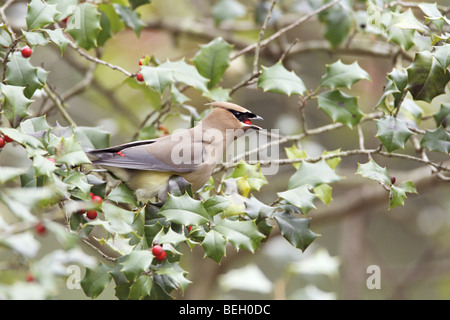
(146, 166)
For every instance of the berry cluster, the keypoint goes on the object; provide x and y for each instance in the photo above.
(158, 251)
(3, 140)
(92, 213)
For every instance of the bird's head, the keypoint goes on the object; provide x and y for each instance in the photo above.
(231, 116)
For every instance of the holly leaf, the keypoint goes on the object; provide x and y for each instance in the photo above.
(277, 79)
(136, 262)
(396, 82)
(442, 117)
(300, 197)
(436, 140)
(442, 55)
(160, 77)
(426, 78)
(184, 210)
(20, 72)
(343, 75)
(295, 153)
(216, 204)
(212, 60)
(84, 25)
(15, 104)
(141, 288)
(122, 194)
(228, 10)
(253, 173)
(340, 107)
(70, 152)
(40, 14)
(392, 132)
(296, 230)
(407, 20)
(403, 37)
(397, 195)
(95, 280)
(371, 170)
(214, 245)
(137, 3)
(313, 174)
(57, 37)
(338, 22)
(129, 17)
(242, 234)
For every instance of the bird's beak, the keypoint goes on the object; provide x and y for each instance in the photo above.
(252, 126)
(258, 118)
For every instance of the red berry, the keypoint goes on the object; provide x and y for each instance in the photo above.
(40, 228)
(139, 77)
(91, 214)
(2, 142)
(189, 228)
(27, 52)
(65, 20)
(7, 139)
(161, 257)
(97, 199)
(247, 121)
(80, 211)
(29, 277)
(140, 62)
(157, 250)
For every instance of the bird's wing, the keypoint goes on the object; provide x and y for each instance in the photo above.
(155, 155)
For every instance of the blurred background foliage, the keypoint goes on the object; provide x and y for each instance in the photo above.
(410, 243)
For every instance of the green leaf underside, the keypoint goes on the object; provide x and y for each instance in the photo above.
(371, 170)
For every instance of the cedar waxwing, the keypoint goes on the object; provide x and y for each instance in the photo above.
(146, 166)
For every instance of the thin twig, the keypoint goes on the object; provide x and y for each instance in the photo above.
(59, 104)
(261, 36)
(285, 29)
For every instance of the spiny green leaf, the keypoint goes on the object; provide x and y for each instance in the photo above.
(343, 75)
(136, 262)
(300, 197)
(407, 20)
(228, 10)
(436, 140)
(277, 79)
(57, 37)
(122, 194)
(70, 152)
(43, 166)
(20, 72)
(242, 234)
(40, 14)
(392, 132)
(35, 38)
(15, 105)
(84, 25)
(340, 107)
(216, 204)
(442, 117)
(323, 192)
(426, 78)
(296, 230)
(295, 153)
(371, 170)
(96, 280)
(397, 195)
(141, 288)
(403, 37)
(184, 210)
(212, 60)
(338, 22)
(442, 55)
(214, 245)
(130, 18)
(253, 173)
(313, 174)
